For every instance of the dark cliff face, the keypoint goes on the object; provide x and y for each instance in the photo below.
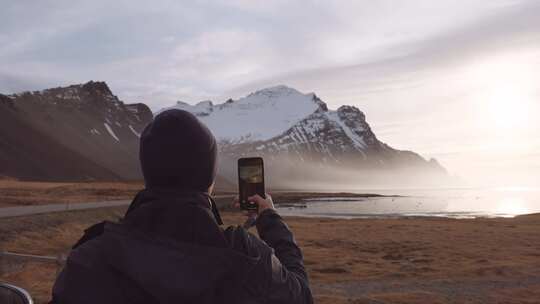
(79, 132)
(140, 111)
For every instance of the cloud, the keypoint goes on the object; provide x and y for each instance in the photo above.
(272, 38)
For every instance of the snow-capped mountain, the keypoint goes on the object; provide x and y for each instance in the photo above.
(259, 116)
(299, 136)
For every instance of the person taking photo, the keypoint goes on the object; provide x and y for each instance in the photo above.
(169, 247)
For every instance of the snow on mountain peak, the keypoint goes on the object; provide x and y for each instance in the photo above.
(200, 109)
(259, 116)
(276, 91)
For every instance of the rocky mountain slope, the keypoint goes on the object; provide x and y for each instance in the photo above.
(302, 140)
(80, 132)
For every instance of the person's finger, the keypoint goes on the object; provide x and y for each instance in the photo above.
(256, 198)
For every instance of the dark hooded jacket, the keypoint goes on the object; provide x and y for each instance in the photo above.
(169, 249)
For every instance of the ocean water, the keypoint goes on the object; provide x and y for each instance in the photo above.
(452, 203)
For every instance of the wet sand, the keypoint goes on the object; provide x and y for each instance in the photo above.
(409, 260)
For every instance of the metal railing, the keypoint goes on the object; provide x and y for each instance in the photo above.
(6, 257)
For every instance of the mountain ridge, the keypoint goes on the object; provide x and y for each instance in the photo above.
(348, 118)
(91, 134)
(85, 132)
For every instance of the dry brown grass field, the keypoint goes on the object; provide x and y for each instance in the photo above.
(19, 193)
(409, 260)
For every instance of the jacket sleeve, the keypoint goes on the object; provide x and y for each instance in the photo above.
(289, 280)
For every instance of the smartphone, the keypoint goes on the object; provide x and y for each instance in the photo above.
(250, 181)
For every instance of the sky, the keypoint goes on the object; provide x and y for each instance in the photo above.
(453, 80)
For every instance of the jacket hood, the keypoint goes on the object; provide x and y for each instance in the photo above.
(178, 151)
(158, 203)
(176, 271)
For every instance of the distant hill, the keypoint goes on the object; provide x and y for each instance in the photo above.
(80, 132)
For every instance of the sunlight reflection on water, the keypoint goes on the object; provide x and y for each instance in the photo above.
(453, 203)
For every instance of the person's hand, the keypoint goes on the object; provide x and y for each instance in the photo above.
(263, 204)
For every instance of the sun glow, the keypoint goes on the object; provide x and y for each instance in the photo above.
(511, 206)
(505, 103)
(508, 108)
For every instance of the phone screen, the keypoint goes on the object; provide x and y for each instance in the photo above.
(250, 180)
